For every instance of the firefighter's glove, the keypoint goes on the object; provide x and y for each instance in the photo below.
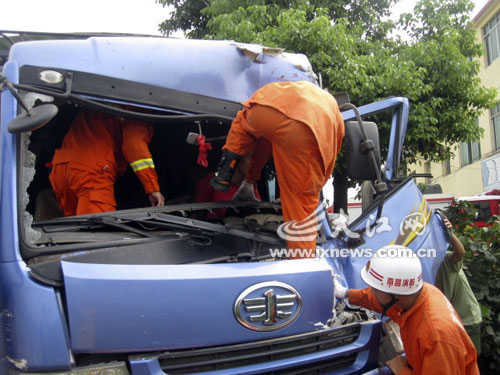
(225, 171)
(245, 192)
(340, 290)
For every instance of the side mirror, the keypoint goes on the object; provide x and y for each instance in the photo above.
(35, 119)
(192, 138)
(359, 165)
(342, 98)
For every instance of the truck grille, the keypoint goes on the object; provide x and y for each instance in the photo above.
(231, 356)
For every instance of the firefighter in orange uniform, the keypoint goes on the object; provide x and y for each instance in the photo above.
(433, 336)
(95, 151)
(301, 125)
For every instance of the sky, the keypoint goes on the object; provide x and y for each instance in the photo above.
(122, 16)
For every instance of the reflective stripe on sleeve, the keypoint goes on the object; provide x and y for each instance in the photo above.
(141, 164)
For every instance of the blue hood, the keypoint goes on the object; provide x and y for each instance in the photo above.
(114, 308)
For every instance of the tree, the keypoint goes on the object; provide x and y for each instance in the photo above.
(186, 16)
(446, 50)
(192, 16)
(355, 53)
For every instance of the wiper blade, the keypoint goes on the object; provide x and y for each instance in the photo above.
(236, 206)
(118, 223)
(89, 223)
(190, 225)
(160, 217)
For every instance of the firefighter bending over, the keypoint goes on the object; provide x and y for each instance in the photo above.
(95, 151)
(301, 125)
(433, 336)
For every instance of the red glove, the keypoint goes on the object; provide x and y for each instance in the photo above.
(203, 148)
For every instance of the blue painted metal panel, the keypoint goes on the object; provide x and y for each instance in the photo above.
(397, 137)
(213, 68)
(153, 307)
(404, 203)
(9, 245)
(33, 321)
(3, 349)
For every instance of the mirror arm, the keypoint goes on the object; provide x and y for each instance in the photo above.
(16, 95)
(4, 82)
(68, 80)
(113, 110)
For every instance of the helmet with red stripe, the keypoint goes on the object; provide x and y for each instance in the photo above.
(394, 269)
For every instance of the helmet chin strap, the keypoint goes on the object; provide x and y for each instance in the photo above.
(388, 305)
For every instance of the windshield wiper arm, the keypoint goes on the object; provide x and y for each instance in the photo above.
(117, 223)
(156, 217)
(90, 223)
(195, 226)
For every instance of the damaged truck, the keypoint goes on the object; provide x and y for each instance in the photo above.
(169, 290)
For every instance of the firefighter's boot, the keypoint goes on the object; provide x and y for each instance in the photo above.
(225, 171)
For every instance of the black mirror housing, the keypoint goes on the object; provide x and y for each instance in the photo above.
(359, 165)
(35, 119)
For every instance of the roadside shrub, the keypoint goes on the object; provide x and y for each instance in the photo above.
(482, 267)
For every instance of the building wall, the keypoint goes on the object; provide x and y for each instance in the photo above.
(483, 174)
(462, 181)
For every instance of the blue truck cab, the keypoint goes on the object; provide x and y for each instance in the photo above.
(163, 290)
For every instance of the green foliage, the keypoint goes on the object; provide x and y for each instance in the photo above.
(451, 96)
(423, 187)
(349, 42)
(192, 16)
(433, 18)
(186, 16)
(482, 266)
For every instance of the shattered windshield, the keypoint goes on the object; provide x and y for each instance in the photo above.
(194, 223)
(123, 164)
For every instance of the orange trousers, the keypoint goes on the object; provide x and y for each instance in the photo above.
(297, 159)
(80, 191)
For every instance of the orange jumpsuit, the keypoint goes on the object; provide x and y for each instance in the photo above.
(434, 339)
(303, 126)
(95, 151)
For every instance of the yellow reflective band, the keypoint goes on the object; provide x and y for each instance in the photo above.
(144, 167)
(141, 161)
(141, 164)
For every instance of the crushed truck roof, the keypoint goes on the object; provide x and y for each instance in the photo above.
(231, 71)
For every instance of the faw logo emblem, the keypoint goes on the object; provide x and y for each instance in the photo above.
(267, 306)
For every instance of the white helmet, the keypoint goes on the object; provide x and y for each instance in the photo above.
(394, 269)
